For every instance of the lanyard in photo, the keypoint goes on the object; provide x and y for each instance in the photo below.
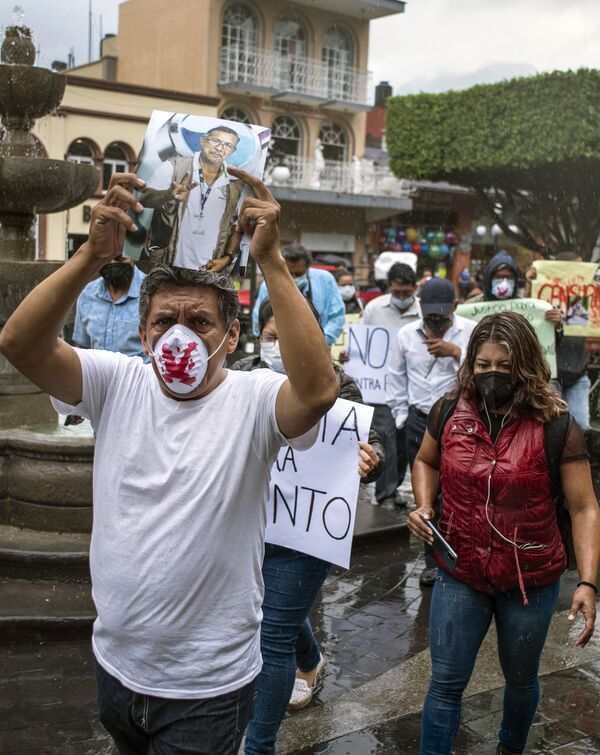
(204, 195)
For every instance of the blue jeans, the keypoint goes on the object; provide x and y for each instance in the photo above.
(459, 618)
(292, 582)
(577, 396)
(144, 725)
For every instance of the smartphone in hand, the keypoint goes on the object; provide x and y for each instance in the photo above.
(441, 547)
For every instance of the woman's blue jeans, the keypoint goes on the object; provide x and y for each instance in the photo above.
(292, 582)
(459, 619)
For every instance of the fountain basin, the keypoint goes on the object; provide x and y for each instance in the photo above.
(29, 92)
(30, 185)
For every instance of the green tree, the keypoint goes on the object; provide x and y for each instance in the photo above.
(530, 146)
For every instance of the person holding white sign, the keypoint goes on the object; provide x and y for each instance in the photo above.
(292, 661)
(180, 484)
(395, 309)
(423, 366)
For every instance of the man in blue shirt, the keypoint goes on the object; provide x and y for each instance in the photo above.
(107, 310)
(317, 285)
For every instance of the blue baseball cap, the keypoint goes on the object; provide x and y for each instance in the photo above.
(437, 297)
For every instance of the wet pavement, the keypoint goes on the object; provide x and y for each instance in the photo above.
(371, 622)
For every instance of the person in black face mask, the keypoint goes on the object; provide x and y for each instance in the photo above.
(423, 368)
(107, 310)
(511, 462)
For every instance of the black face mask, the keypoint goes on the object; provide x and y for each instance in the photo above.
(117, 274)
(495, 388)
(438, 326)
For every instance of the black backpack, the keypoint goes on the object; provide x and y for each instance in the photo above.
(556, 432)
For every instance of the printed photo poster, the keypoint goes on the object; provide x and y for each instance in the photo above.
(369, 349)
(532, 309)
(191, 201)
(313, 493)
(574, 287)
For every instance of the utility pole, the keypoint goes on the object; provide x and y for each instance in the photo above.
(90, 31)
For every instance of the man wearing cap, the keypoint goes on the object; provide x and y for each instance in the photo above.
(423, 367)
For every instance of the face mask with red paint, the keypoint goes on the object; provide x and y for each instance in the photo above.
(181, 358)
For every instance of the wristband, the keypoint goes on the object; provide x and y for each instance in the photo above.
(588, 584)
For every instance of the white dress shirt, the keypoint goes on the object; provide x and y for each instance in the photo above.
(415, 377)
(380, 311)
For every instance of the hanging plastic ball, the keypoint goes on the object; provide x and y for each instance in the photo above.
(411, 234)
(451, 238)
(397, 247)
(444, 250)
(434, 250)
(416, 248)
(401, 235)
(391, 234)
(424, 247)
(430, 235)
(440, 237)
(407, 246)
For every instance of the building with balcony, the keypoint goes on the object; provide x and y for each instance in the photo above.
(300, 69)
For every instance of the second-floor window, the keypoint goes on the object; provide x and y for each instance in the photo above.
(334, 142)
(286, 137)
(236, 113)
(338, 54)
(290, 38)
(115, 161)
(240, 28)
(81, 152)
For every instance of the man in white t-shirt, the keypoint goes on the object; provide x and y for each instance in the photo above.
(183, 455)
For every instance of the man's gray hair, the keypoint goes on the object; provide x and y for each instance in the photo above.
(163, 276)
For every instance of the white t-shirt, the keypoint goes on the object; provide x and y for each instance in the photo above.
(180, 489)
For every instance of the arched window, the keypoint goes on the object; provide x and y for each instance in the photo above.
(116, 160)
(81, 151)
(334, 142)
(290, 38)
(286, 136)
(338, 54)
(240, 27)
(235, 113)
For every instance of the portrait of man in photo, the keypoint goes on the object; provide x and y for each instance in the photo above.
(191, 200)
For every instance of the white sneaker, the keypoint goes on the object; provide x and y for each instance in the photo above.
(302, 694)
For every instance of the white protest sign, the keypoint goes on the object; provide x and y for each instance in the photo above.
(313, 493)
(369, 349)
(533, 310)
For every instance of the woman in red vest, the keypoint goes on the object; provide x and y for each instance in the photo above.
(507, 456)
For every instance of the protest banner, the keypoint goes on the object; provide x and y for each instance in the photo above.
(340, 344)
(313, 494)
(191, 201)
(575, 288)
(369, 349)
(532, 309)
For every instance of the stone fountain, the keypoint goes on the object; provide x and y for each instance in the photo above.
(45, 474)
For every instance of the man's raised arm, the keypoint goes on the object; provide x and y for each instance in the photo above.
(311, 388)
(29, 340)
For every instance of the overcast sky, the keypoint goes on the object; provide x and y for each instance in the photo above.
(435, 45)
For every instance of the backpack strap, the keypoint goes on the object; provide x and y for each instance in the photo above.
(446, 411)
(556, 432)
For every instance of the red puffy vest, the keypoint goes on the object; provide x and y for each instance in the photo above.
(520, 503)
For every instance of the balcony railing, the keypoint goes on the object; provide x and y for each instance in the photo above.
(357, 177)
(295, 78)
